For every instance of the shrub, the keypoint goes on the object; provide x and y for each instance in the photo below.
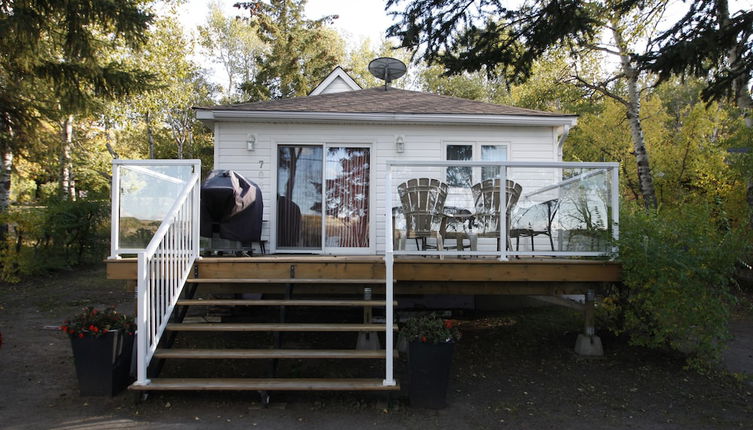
(677, 271)
(60, 235)
(94, 322)
(430, 328)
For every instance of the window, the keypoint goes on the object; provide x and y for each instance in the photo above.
(458, 176)
(461, 176)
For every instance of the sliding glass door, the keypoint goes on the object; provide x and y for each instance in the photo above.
(323, 194)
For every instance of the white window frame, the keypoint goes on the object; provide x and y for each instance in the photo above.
(324, 250)
(475, 153)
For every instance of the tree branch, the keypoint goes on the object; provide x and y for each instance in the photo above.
(602, 88)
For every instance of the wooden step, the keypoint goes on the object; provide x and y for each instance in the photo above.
(271, 302)
(267, 384)
(282, 281)
(269, 353)
(223, 327)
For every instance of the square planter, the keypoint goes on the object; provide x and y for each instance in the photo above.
(103, 363)
(429, 365)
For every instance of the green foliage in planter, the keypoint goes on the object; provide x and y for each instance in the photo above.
(430, 328)
(677, 272)
(95, 322)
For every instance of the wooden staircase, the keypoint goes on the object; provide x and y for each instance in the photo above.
(266, 352)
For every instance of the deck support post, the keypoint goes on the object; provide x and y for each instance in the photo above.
(588, 344)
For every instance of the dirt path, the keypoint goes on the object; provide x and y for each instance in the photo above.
(513, 370)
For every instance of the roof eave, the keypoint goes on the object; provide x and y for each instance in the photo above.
(525, 120)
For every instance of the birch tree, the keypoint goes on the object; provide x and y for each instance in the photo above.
(235, 46)
(711, 43)
(475, 35)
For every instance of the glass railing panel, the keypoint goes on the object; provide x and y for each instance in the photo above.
(552, 208)
(147, 192)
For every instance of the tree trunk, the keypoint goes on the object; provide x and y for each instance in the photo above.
(645, 179)
(180, 149)
(108, 144)
(67, 183)
(6, 167)
(149, 135)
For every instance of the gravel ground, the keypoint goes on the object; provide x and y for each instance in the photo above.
(512, 369)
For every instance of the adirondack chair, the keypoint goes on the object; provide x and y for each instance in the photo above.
(422, 200)
(486, 202)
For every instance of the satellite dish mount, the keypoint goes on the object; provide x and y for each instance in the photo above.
(387, 69)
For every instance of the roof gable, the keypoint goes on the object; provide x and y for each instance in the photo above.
(337, 81)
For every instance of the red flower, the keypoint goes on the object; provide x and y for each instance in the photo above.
(92, 328)
(64, 328)
(423, 339)
(449, 323)
(80, 335)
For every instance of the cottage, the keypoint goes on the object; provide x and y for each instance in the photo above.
(295, 150)
(400, 191)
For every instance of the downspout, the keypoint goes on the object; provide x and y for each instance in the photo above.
(561, 141)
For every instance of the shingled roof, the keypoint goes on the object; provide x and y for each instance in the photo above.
(379, 100)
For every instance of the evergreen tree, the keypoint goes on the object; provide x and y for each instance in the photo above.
(484, 35)
(51, 67)
(301, 52)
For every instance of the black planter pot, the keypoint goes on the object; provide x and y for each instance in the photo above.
(103, 363)
(429, 366)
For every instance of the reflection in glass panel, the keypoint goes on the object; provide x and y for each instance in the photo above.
(299, 197)
(585, 212)
(459, 176)
(146, 195)
(347, 202)
(492, 153)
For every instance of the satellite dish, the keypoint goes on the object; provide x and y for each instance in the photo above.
(387, 69)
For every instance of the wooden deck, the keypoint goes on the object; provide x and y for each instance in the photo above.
(413, 275)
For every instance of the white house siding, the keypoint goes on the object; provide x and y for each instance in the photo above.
(422, 143)
(338, 85)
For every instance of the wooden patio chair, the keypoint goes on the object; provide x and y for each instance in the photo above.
(423, 203)
(486, 202)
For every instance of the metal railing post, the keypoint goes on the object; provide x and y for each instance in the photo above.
(503, 212)
(115, 212)
(389, 341)
(196, 214)
(142, 337)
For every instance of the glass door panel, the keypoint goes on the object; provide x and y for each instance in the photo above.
(299, 197)
(347, 197)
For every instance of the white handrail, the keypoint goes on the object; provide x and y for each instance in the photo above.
(567, 181)
(163, 267)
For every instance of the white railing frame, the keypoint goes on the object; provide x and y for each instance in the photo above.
(115, 250)
(175, 245)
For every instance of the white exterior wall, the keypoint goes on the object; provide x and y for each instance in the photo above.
(422, 143)
(338, 85)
